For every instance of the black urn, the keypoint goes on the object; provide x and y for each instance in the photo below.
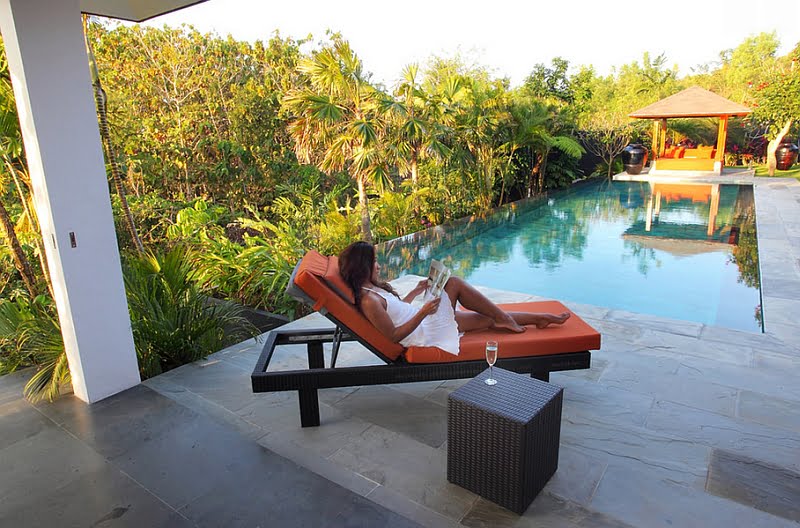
(786, 155)
(634, 156)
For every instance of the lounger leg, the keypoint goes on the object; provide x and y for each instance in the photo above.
(309, 407)
(541, 375)
(309, 401)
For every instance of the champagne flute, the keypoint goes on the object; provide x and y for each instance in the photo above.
(491, 357)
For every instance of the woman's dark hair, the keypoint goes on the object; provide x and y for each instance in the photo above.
(355, 267)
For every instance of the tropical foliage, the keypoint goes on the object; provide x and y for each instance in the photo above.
(229, 159)
(172, 322)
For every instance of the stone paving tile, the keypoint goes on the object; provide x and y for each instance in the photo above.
(12, 385)
(686, 390)
(619, 330)
(737, 338)
(104, 497)
(753, 483)
(771, 360)
(359, 512)
(786, 333)
(780, 310)
(20, 422)
(219, 381)
(658, 503)
(337, 430)
(129, 419)
(778, 446)
(604, 403)
(412, 510)
(202, 405)
(792, 228)
(668, 454)
(577, 476)
(442, 392)
(771, 230)
(423, 420)
(773, 382)
(546, 510)
(769, 410)
(408, 467)
(782, 288)
(33, 464)
(422, 389)
(323, 467)
(657, 343)
(599, 365)
(688, 328)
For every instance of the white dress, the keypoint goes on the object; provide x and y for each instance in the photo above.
(439, 329)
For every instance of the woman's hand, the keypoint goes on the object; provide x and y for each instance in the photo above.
(430, 307)
(419, 288)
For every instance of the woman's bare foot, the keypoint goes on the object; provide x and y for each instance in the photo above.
(549, 319)
(509, 324)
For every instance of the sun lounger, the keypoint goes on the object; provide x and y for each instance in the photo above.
(316, 281)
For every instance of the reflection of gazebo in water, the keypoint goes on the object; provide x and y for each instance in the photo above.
(682, 239)
(689, 103)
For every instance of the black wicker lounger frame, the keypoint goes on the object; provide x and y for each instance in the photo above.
(306, 382)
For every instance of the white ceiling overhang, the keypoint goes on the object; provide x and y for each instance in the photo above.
(134, 10)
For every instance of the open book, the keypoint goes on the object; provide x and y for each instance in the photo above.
(437, 278)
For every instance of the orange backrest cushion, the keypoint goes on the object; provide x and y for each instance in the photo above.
(318, 276)
(575, 335)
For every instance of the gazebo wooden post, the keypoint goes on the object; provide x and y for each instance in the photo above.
(656, 140)
(662, 144)
(722, 136)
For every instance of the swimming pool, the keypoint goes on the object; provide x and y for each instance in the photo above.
(683, 251)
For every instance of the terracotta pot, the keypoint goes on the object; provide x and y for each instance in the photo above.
(634, 156)
(786, 155)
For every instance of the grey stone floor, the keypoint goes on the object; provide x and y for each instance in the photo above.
(677, 424)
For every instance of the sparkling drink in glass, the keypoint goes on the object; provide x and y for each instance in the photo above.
(491, 357)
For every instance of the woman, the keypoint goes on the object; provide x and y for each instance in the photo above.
(436, 323)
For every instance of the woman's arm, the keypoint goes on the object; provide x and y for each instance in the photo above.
(419, 288)
(375, 310)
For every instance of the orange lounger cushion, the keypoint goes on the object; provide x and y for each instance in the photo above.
(572, 336)
(318, 276)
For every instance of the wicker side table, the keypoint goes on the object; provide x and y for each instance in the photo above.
(502, 440)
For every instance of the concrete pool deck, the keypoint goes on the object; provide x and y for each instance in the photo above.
(676, 424)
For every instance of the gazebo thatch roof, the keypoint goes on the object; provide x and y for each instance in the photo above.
(691, 102)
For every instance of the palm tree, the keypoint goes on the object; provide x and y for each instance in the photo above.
(479, 145)
(421, 129)
(339, 121)
(537, 129)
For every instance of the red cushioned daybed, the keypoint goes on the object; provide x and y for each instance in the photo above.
(316, 281)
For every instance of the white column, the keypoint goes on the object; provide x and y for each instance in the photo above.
(50, 73)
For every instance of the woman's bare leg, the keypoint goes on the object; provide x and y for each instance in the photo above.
(491, 316)
(541, 320)
(471, 299)
(473, 321)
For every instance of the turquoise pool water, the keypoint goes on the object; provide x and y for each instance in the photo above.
(695, 259)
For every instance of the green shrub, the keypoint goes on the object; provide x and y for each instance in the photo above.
(30, 335)
(172, 321)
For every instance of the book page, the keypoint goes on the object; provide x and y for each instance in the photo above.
(438, 276)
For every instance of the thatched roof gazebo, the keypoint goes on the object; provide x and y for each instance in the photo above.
(689, 103)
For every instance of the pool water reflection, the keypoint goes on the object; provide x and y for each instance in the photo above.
(683, 251)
